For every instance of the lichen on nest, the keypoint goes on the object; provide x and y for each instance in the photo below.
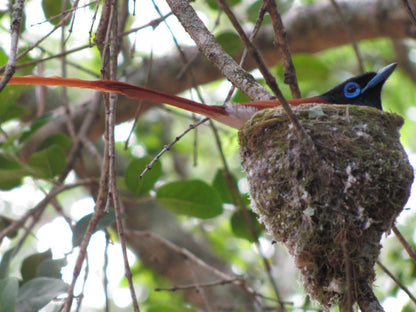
(331, 223)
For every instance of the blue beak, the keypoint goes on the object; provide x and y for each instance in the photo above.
(380, 77)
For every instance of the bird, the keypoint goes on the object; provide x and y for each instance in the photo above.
(363, 90)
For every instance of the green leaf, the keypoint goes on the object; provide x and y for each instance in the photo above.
(57, 139)
(8, 293)
(230, 41)
(241, 228)
(53, 8)
(213, 4)
(253, 10)
(408, 308)
(142, 186)
(38, 292)
(30, 265)
(309, 67)
(192, 198)
(9, 179)
(150, 132)
(3, 56)
(81, 226)
(36, 125)
(9, 109)
(221, 186)
(240, 97)
(5, 263)
(5, 222)
(253, 13)
(51, 268)
(41, 265)
(48, 162)
(168, 308)
(11, 173)
(8, 164)
(26, 59)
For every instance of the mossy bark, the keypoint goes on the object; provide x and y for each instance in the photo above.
(332, 222)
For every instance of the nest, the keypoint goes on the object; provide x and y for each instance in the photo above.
(329, 199)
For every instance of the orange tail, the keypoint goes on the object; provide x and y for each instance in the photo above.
(218, 113)
(234, 116)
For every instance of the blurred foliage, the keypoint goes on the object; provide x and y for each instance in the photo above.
(200, 196)
(41, 282)
(53, 9)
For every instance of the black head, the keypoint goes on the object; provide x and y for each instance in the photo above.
(360, 90)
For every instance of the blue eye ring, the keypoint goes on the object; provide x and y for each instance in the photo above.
(352, 90)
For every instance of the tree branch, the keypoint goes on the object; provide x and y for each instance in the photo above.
(307, 32)
(213, 51)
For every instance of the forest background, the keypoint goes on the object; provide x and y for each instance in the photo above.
(200, 254)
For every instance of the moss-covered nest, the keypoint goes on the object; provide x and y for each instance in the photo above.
(329, 204)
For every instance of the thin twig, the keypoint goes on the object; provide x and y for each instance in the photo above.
(409, 11)
(367, 300)
(81, 257)
(209, 46)
(94, 17)
(199, 285)
(34, 45)
(185, 69)
(64, 96)
(239, 202)
(38, 209)
(28, 229)
(219, 146)
(244, 55)
(52, 56)
(270, 80)
(66, 12)
(186, 254)
(169, 146)
(350, 36)
(282, 43)
(111, 120)
(72, 20)
(81, 139)
(405, 244)
(154, 23)
(102, 41)
(80, 297)
(112, 44)
(98, 214)
(105, 270)
(397, 281)
(16, 18)
(139, 109)
(201, 291)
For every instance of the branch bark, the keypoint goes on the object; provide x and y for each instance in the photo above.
(184, 268)
(307, 31)
(213, 51)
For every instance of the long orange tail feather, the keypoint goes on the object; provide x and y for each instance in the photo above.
(234, 116)
(218, 113)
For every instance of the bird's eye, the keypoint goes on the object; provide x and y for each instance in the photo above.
(351, 90)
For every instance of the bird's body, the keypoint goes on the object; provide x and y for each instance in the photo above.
(361, 90)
